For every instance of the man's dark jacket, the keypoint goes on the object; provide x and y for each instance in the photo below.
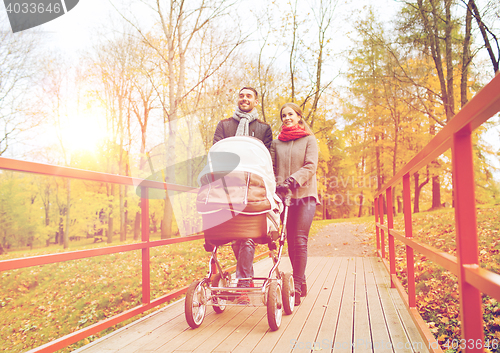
(258, 129)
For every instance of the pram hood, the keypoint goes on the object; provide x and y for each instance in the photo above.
(237, 187)
(242, 154)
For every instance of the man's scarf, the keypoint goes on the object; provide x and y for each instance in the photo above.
(244, 120)
(294, 132)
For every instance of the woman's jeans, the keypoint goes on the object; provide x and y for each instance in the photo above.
(299, 220)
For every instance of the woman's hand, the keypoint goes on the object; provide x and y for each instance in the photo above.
(291, 183)
(282, 189)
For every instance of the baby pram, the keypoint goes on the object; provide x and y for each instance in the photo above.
(237, 200)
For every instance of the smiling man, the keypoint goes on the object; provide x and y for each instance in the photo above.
(244, 121)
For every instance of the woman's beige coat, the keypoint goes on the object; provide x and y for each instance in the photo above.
(298, 159)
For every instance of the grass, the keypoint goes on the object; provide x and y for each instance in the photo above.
(437, 292)
(42, 303)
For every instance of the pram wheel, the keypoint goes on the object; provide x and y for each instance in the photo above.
(220, 281)
(288, 293)
(274, 306)
(195, 305)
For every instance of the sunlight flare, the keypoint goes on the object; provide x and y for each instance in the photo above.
(84, 131)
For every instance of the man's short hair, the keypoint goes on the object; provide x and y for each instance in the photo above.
(251, 89)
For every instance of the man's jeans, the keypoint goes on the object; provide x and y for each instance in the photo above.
(300, 217)
(244, 250)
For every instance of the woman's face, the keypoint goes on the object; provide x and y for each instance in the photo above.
(289, 117)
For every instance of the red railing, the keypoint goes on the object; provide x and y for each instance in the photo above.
(144, 245)
(472, 279)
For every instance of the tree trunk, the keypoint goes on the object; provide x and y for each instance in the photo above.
(137, 226)
(360, 210)
(484, 30)
(123, 224)
(436, 183)
(125, 220)
(416, 200)
(110, 229)
(418, 188)
(68, 199)
(47, 219)
(166, 224)
(110, 215)
(466, 56)
(394, 201)
(436, 192)
(450, 107)
(378, 162)
(60, 232)
(291, 59)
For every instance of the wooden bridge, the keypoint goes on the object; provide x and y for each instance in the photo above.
(353, 304)
(349, 307)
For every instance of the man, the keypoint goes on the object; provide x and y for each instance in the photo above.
(244, 122)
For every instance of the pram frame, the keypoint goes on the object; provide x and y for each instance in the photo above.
(276, 292)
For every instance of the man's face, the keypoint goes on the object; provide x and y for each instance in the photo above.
(247, 100)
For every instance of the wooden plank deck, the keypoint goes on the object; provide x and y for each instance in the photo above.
(349, 307)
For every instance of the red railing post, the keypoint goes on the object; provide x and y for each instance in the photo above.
(377, 230)
(466, 233)
(390, 225)
(410, 261)
(381, 214)
(146, 277)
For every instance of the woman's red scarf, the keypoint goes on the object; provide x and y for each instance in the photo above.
(294, 132)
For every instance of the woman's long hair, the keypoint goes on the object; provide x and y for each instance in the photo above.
(297, 110)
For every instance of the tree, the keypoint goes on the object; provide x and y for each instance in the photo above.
(430, 27)
(302, 40)
(124, 91)
(20, 69)
(487, 33)
(269, 80)
(182, 25)
(55, 92)
(385, 109)
(294, 45)
(142, 99)
(324, 15)
(367, 109)
(20, 211)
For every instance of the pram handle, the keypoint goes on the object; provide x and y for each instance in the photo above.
(288, 197)
(284, 191)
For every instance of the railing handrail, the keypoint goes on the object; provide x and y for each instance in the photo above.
(144, 245)
(24, 262)
(457, 135)
(469, 118)
(88, 175)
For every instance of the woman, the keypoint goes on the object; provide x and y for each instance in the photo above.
(295, 159)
